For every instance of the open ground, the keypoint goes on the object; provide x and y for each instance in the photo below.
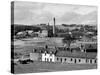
(51, 67)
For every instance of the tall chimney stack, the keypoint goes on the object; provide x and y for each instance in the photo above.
(54, 27)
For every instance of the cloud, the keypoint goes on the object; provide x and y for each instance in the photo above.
(90, 18)
(83, 10)
(35, 13)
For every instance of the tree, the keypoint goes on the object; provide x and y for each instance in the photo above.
(68, 40)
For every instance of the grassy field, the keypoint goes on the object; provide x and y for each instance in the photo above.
(39, 42)
(27, 45)
(50, 67)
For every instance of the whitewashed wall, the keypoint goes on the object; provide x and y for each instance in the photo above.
(47, 57)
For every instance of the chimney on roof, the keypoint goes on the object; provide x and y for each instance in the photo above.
(46, 47)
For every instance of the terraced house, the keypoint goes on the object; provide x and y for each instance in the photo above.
(70, 57)
(49, 55)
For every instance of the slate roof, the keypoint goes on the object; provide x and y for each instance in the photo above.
(76, 54)
(90, 46)
(63, 53)
(42, 50)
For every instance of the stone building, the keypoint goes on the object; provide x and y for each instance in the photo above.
(44, 33)
(35, 56)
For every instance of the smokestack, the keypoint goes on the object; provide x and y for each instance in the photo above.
(48, 23)
(54, 27)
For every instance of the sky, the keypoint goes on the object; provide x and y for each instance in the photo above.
(31, 13)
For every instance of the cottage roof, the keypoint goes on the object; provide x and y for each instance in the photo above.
(90, 46)
(76, 54)
(42, 50)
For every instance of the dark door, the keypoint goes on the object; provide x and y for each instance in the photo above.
(75, 60)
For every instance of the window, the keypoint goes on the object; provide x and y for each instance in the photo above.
(91, 61)
(95, 61)
(79, 60)
(75, 60)
(50, 60)
(65, 59)
(71, 59)
(61, 59)
(86, 60)
(57, 58)
(45, 59)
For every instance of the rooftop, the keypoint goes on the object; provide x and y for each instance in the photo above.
(61, 52)
(76, 54)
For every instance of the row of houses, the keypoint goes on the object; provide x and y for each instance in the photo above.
(65, 57)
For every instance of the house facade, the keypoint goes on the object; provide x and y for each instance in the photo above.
(34, 56)
(49, 57)
(44, 33)
(70, 58)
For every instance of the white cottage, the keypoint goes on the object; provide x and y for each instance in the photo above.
(49, 57)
